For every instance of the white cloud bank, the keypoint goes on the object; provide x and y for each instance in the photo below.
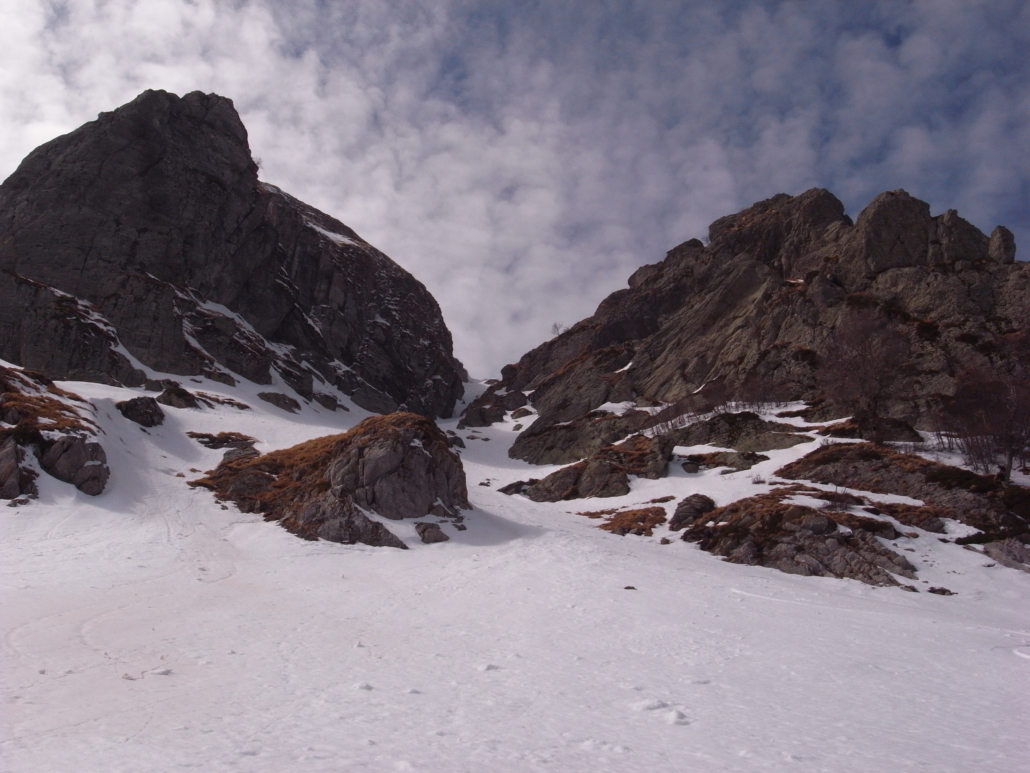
(521, 160)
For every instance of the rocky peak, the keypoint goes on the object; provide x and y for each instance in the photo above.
(754, 314)
(145, 240)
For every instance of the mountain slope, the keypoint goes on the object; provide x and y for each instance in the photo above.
(143, 243)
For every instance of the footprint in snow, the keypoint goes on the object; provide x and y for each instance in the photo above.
(363, 686)
(676, 717)
(162, 671)
(651, 704)
(488, 667)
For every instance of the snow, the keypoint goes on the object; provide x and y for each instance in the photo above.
(149, 629)
(335, 238)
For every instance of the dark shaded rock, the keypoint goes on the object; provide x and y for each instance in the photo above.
(1012, 553)
(738, 460)
(882, 430)
(223, 439)
(518, 487)
(765, 531)
(691, 467)
(607, 473)
(521, 413)
(176, 397)
(975, 500)
(941, 591)
(149, 229)
(79, 462)
(399, 466)
(279, 400)
(145, 411)
(16, 479)
(483, 414)
(689, 510)
(328, 401)
(430, 533)
(547, 443)
(455, 442)
(743, 431)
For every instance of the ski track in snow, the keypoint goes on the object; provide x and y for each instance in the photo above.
(149, 629)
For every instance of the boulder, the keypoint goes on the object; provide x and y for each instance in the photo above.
(79, 462)
(689, 510)
(430, 533)
(174, 396)
(397, 466)
(145, 411)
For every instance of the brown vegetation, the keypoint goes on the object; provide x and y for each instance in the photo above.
(640, 522)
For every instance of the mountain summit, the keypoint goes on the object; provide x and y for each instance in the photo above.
(757, 313)
(144, 244)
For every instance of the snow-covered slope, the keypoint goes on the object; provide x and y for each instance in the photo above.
(152, 629)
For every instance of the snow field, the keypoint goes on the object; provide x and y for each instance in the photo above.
(149, 629)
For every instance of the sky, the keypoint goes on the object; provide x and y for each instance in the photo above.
(522, 159)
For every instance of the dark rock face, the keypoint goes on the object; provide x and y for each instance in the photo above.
(398, 466)
(54, 426)
(753, 314)
(764, 531)
(149, 229)
(145, 411)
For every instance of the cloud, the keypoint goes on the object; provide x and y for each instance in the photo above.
(522, 162)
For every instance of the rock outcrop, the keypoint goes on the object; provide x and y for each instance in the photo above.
(38, 419)
(998, 509)
(766, 531)
(397, 466)
(606, 474)
(754, 313)
(145, 238)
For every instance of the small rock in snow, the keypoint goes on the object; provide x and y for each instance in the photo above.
(363, 686)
